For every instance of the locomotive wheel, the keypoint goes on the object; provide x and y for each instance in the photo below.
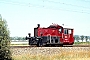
(62, 45)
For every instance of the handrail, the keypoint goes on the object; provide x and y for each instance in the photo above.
(50, 37)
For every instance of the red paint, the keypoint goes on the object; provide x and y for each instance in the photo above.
(65, 38)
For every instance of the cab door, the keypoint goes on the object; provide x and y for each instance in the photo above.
(66, 36)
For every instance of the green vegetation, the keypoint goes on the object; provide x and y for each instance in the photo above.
(86, 37)
(84, 43)
(17, 38)
(76, 38)
(82, 37)
(5, 53)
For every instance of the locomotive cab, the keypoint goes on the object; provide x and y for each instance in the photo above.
(68, 36)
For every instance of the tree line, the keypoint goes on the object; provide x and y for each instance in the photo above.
(76, 37)
(17, 38)
(82, 37)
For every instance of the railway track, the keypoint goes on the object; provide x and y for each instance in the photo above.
(51, 46)
(76, 45)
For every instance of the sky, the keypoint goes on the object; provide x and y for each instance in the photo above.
(23, 16)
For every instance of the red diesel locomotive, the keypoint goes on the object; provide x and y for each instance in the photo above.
(52, 35)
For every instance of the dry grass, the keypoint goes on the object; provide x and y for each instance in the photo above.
(69, 54)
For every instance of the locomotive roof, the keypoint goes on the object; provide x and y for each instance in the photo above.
(59, 26)
(55, 25)
(67, 27)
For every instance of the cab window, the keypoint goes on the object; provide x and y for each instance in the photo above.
(65, 31)
(60, 30)
(70, 32)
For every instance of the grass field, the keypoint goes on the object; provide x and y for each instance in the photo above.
(70, 55)
(54, 53)
(64, 55)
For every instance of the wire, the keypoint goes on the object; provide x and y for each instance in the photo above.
(39, 6)
(14, 3)
(85, 1)
(65, 10)
(68, 4)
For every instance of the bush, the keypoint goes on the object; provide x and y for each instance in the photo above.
(5, 53)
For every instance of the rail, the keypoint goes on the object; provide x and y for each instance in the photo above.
(49, 46)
